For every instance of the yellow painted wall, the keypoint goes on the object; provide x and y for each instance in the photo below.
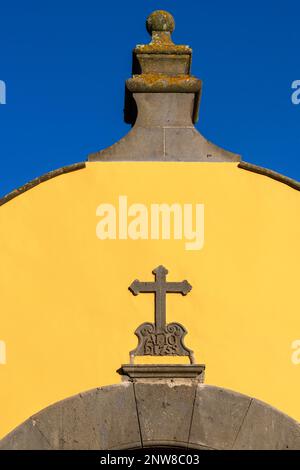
(67, 317)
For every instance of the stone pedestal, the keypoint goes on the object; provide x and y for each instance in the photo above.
(134, 372)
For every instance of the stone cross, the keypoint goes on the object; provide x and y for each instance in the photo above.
(160, 288)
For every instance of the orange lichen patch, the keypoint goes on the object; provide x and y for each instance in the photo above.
(161, 37)
(163, 82)
(154, 77)
(160, 25)
(162, 48)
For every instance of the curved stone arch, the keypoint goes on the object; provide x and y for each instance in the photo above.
(41, 179)
(155, 414)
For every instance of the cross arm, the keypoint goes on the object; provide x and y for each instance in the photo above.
(136, 287)
(179, 287)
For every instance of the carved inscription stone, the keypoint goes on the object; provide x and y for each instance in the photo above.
(160, 338)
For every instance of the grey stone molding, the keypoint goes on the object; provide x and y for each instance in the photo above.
(271, 174)
(162, 371)
(41, 179)
(176, 413)
(79, 166)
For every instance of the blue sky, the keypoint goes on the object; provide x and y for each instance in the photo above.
(65, 63)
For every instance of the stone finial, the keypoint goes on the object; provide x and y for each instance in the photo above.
(161, 103)
(160, 20)
(160, 25)
(161, 66)
(161, 55)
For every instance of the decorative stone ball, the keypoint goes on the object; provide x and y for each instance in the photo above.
(160, 20)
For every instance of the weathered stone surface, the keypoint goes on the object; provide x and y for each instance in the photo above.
(26, 436)
(164, 109)
(160, 20)
(165, 412)
(266, 428)
(103, 418)
(147, 412)
(109, 415)
(187, 144)
(164, 132)
(49, 424)
(139, 144)
(218, 416)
